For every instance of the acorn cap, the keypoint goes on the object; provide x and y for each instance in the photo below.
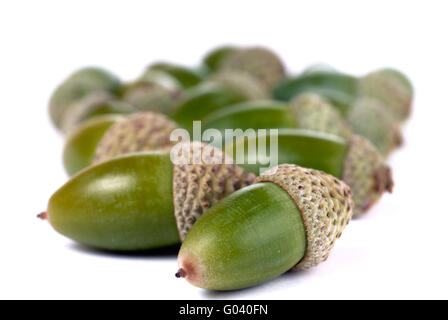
(91, 104)
(151, 96)
(314, 112)
(242, 83)
(143, 131)
(202, 176)
(369, 118)
(324, 202)
(366, 173)
(392, 88)
(260, 62)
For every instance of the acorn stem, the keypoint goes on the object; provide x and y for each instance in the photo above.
(181, 273)
(43, 215)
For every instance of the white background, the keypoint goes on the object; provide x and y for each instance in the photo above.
(399, 250)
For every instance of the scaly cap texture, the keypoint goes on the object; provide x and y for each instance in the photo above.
(242, 83)
(387, 86)
(313, 112)
(203, 176)
(260, 62)
(143, 131)
(366, 174)
(151, 96)
(369, 118)
(324, 202)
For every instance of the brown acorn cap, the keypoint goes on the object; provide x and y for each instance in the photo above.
(314, 112)
(242, 83)
(366, 173)
(203, 175)
(324, 202)
(260, 62)
(143, 131)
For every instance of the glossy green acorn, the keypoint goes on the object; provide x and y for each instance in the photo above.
(188, 78)
(142, 200)
(290, 219)
(339, 88)
(77, 86)
(203, 100)
(353, 160)
(81, 143)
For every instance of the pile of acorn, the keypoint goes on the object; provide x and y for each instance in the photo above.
(238, 227)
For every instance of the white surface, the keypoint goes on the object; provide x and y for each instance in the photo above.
(398, 251)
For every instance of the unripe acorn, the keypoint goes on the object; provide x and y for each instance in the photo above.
(338, 88)
(313, 112)
(289, 219)
(213, 60)
(391, 87)
(203, 100)
(81, 143)
(188, 78)
(369, 118)
(78, 85)
(142, 200)
(354, 160)
(260, 62)
(96, 104)
(144, 131)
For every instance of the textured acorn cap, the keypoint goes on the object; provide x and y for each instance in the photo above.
(203, 175)
(313, 112)
(392, 88)
(366, 173)
(324, 202)
(260, 62)
(143, 131)
(151, 96)
(369, 118)
(242, 83)
(96, 103)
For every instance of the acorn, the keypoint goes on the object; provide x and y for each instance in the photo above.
(392, 88)
(369, 118)
(260, 62)
(144, 131)
(77, 86)
(187, 77)
(98, 103)
(142, 200)
(289, 219)
(199, 102)
(338, 88)
(213, 60)
(81, 143)
(353, 160)
(147, 95)
(313, 112)
(241, 82)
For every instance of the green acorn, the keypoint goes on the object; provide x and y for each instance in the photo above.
(338, 88)
(144, 131)
(96, 104)
(77, 86)
(289, 219)
(369, 118)
(260, 62)
(312, 112)
(392, 88)
(188, 78)
(81, 143)
(142, 200)
(354, 160)
(213, 60)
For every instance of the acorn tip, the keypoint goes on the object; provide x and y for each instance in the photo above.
(43, 215)
(181, 273)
